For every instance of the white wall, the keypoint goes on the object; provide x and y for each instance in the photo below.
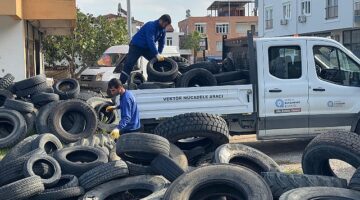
(315, 23)
(12, 47)
(175, 38)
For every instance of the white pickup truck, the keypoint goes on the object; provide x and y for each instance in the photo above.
(300, 86)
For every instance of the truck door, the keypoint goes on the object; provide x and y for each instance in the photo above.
(334, 87)
(286, 89)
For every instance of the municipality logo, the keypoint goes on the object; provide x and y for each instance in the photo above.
(280, 103)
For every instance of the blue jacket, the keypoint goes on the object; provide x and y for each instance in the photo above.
(130, 119)
(148, 35)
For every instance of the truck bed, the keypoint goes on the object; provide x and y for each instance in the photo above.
(221, 100)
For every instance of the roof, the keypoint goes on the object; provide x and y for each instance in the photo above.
(113, 16)
(170, 28)
(238, 3)
(123, 49)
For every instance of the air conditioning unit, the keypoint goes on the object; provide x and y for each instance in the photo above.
(302, 19)
(284, 22)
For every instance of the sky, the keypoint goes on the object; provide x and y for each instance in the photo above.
(148, 10)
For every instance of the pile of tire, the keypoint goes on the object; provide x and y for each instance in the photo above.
(177, 72)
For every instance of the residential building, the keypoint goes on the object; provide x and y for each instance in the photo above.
(231, 18)
(335, 19)
(23, 24)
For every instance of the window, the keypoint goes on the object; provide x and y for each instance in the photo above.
(169, 41)
(285, 62)
(219, 46)
(269, 18)
(287, 10)
(222, 28)
(335, 66)
(331, 9)
(306, 8)
(351, 40)
(201, 28)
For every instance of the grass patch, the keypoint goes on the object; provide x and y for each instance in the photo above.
(3, 152)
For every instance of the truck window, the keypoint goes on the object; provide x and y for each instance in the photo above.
(109, 60)
(285, 62)
(335, 66)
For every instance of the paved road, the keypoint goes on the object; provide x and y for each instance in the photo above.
(288, 153)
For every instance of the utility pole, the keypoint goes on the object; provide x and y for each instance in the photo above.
(129, 18)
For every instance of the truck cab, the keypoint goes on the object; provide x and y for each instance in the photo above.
(300, 87)
(110, 65)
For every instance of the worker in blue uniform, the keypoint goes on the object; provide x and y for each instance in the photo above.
(144, 44)
(130, 119)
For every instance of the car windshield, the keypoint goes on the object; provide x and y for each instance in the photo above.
(109, 60)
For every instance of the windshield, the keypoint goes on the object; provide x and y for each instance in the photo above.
(110, 60)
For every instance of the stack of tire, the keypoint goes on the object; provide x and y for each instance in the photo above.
(178, 72)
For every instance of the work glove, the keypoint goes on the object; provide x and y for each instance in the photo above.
(110, 108)
(115, 134)
(160, 58)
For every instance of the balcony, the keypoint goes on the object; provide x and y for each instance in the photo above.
(332, 12)
(357, 11)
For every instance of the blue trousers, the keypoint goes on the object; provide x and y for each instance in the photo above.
(133, 56)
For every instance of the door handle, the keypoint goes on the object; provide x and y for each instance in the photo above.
(275, 90)
(319, 89)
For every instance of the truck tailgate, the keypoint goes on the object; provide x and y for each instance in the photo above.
(160, 103)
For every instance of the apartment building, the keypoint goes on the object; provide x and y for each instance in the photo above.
(23, 24)
(231, 18)
(339, 20)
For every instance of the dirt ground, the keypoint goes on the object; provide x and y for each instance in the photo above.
(288, 153)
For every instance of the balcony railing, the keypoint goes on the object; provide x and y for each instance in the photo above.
(332, 12)
(269, 24)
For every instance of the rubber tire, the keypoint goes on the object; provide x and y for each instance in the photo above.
(110, 124)
(86, 95)
(43, 98)
(141, 147)
(201, 77)
(280, 183)
(19, 131)
(70, 94)
(32, 90)
(86, 163)
(102, 141)
(179, 59)
(66, 181)
(152, 183)
(178, 156)
(42, 117)
(30, 119)
(239, 178)
(103, 173)
(190, 125)
(209, 66)
(138, 169)
(29, 169)
(157, 76)
(137, 78)
(5, 94)
(20, 106)
(228, 65)
(30, 82)
(156, 85)
(354, 183)
(6, 81)
(231, 76)
(167, 167)
(13, 170)
(308, 193)
(247, 157)
(59, 194)
(343, 146)
(22, 189)
(49, 143)
(19, 149)
(55, 125)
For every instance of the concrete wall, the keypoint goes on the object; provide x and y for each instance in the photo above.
(175, 38)
(12, 47)
(316, 22)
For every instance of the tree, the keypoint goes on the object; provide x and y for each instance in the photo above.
(192, 42)
(91, 37)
